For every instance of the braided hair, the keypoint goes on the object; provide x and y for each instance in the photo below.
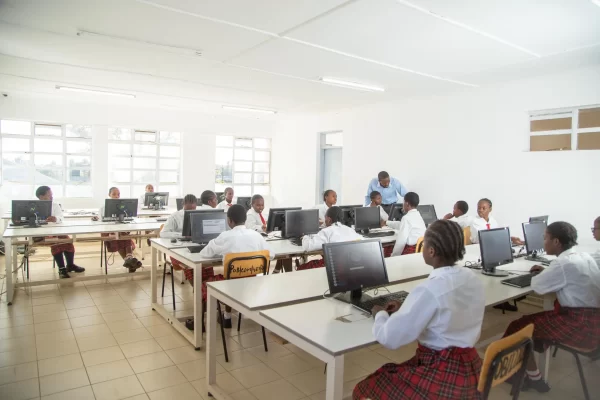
(447, 240)
(564, 232)
(335, 213)
(190, 199)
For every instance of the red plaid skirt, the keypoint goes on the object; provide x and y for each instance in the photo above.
(387, 251)
(311, 265)
(59, 248)
(409, 249)
(446, 374)
(573, 327)
(211, 279)
(113, 246)
(207, 273)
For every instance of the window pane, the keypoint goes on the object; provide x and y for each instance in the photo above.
(223, 172)
(79, 147)
(15, 127)
(226, 141)
(242, 190)
(119, 176)
(243, 142)
(120, 162)
(224, 156)
(262, 189)
(170, 137)
(148, 150)
(173, 192)
(119, 134)
(15, 167)
(138, 190)
(170, 151)
(242, 154)
(48, 145)
(145, 137)
(119, 149)
(79, 190)
(79, 175)
(220, 187)
(165, 163)
(244, 166)
(144, 176)
(80, 161)
(16, 145)
(125, 191)
(261, 178)
(57, 191)
(260, 143)
(15, 160)
(79, 131)
(144, 163)
(261, 167)
(49, 176)
(242, 178)
(48, 130)
(262, 155)
(169, 176)
(48, 161)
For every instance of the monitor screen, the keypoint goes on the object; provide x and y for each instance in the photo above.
(179, 204)
(395, 213)
(348, 214)
(113, 208)
(301, 222)
(276, 220)
(541, 218)
(354, 265)
(496, 248)
(534, 236)
(207, 226)
(246, 202)
(428, 213)
(367, 218)
(186, 231)
(156, 198)
(23, 210)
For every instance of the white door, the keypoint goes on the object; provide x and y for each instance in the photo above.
(332, 172)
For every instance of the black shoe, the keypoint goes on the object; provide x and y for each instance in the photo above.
(189, 323)
(75, 268)
(539, 385)
(63, 274)
(132, 264)
(506, 306)
(226, 323)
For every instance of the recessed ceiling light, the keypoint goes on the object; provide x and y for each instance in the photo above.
(249, 109)
(353, 85)
(94, 91)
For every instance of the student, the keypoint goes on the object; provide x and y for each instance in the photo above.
(444, 314)
(596, 233)
(174, 225)
(255, 219)
(410, 228)
(148, 189)
(58, 250)
(208, 198)
(124, 247)
(334, 232)
(237, 240)
(484, 221)
(575, 279)
(376, 202)
(330, 199)
(228, 202)
(459, 214)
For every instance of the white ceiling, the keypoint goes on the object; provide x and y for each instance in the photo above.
(271, 53)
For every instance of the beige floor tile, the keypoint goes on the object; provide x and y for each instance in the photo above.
(255, 375)
(143, 396)
(96, 342)
(98, 294)
(280, 389)
(16, 332)
(349, 387)
(112, 307)
(109, 371)
(119, 316)
(143, 312)
(52, 326)
(136, 349)
(367, 359)
(181, 355)
(47, 300)
(83, 312)
(309, 382)
(16, 321)
(16, 343)
(19, 372)
(81, 303)
(353, 372)
(48, 317)
(117, 389)
(161, 330)
(237, 360)
(225, 381)
(184, 391)
(135, 335)
(91, 330)
(249, 340)
(22, 390)
(275, 352)
(87, 320)
(82, 393)
(194, 370)
(161, 378)
(100, 356)
(48, 308)
(50, 350)
(172, 341)
(126, 325)
(65, 335)
(149, 362)
(151, 321)
(243, 395)
(108, 300)
(138, 303)
(60, 382)
(289, 365)
(56, 365)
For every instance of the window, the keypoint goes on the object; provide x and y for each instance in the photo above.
(35, 154)
(565, 129)
(244, 164)
(138, 158)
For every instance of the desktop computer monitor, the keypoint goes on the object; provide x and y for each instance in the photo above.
(186, 231)
(120, 208)
(496, 250)
(220, 196)
(156, 199)
(428, 213)
(207, 226)
(30, 212)
(354, 266)
(348, 214)
(395, 213)
(541, 218)
(179, 204)
(276, 220)
(301, 222)
(246, 202)
(367, 218)
(534, 237)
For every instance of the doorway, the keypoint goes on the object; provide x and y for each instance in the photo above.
(331, 164)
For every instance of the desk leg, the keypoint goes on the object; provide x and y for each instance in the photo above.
(211, 336)
(8, 268)
(198, 310)
(544, 364)
(153, 273)
(335, 379)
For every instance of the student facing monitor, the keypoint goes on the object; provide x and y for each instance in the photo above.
(534, 237)
(120, 209)
(207, 226)
(186, 231)
(496, 250)
(31, 212)
(348, 214)
(179, 204)
(301, 222)
(428, 213)
(367, 218)
(541, 218)
(245, 202)
(396, 212)
(156, 200)
(276, 220)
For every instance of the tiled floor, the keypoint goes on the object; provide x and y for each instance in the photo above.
(103, 341)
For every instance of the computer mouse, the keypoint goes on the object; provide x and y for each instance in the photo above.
(173, 240)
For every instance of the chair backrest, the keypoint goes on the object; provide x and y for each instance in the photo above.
(505, 358)
(467, 233)
(419, 246)
(243, 265)
(162, 226)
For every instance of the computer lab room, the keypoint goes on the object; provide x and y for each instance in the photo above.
(299, 200)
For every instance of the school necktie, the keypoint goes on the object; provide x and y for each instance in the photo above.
(488, 226)
(262, 219)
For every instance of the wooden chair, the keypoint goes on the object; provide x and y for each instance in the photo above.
(467, 233)
(506, 358)
(419, 246)
(594, 354)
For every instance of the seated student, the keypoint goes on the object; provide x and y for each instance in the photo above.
(330, 199)
(255, 219)
(410, 228)
(45, 193)
(484, 221)
(596, 232)
(149, 189)
(459, 214)
(575, 320)
(228, 202)
(208, 198)
(124, 247)
(376, 202)
(334, 232)
(174, 225)
(444, 314)
(237, 240)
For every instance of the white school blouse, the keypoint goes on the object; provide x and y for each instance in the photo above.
(480, 224)
(57, 212)
(444, 311)
(224, 205)
(574, 276)
(322, 211)
(253, 220)
(463, 220)
(410, 228)
(334, 233)
(596, 257)
(237, 240)
(174, 225)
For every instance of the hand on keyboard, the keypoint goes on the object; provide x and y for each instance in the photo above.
(390, 307)
(536, 269)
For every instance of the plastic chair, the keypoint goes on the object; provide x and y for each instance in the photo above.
(506, 358)
(419, 245)
(467, 233)
(593, 354)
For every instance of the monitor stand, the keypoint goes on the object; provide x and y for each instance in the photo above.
(353, 297)
(494, 272)
(33, 223)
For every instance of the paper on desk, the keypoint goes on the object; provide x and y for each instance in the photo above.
(353, 317)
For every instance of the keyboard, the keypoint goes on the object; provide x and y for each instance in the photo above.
(379, 234)
(116, 219)
(161, 219)
(541, 260)
(519, 281)
(368, 305)
(197, 248)
(296, 241)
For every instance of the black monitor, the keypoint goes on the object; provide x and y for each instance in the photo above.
(30, 212)
(428, 213)
(301, 222)
(396, 212)
(246, 202)
(367, 218)
(207, 226)
(186, 231)
(179, 204)
(534, 237)
(541, 218)
(354, 266)
(496, 250)
(156, 199)
(120, 208)
(276, 221)
(220, 196)
(348, 214)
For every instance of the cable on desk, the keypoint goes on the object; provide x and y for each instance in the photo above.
(473, 264)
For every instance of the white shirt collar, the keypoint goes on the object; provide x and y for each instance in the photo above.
(239, 227)
(567, 253)
(441, 271)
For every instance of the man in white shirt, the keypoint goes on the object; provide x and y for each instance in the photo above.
(459, 214)
(228, 202)
(255, 219)
(410, 228)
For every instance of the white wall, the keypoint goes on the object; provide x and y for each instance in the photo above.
(465, 146)
(199, 131)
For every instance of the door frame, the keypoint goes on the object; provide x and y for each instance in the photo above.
(321, 163)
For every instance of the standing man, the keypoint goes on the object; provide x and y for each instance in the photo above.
(391, 189)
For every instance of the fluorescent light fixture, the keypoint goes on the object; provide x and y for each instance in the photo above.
(353, 85)
(94, 91)
(249, 109)
(596, 2)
